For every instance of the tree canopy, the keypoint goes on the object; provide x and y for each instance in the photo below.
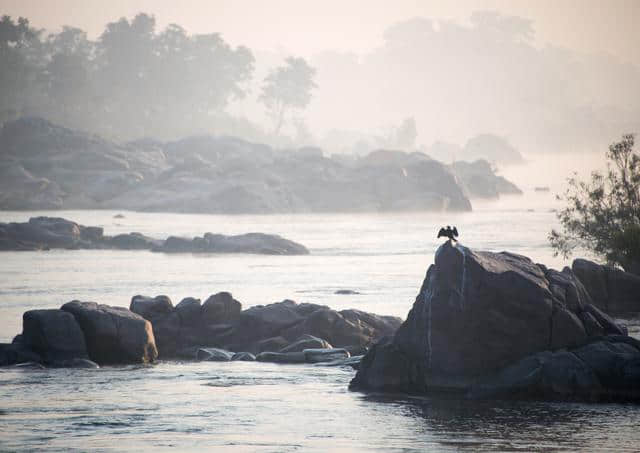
(603, 214)
(132, 81)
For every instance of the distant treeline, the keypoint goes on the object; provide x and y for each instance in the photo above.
(132, 81)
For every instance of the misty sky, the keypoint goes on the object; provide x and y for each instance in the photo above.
(306, 27)
(568, 80)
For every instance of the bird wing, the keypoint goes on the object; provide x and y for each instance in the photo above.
(455, 231)
(442, 232)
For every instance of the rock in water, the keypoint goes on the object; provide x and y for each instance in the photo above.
(281, 357)
(243, 357)
(213, 355)
(151, 308)
(114, 335)
(612, 290)
(306, 342)
(325, 355)
(54, 334)
(479, 313)
(220, 308)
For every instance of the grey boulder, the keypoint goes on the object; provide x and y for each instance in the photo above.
(53, 334)
(114, 335)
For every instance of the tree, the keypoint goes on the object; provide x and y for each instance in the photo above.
(287, 87)
(18, 70)
(406, 134)
(603, 215)
(67, 76)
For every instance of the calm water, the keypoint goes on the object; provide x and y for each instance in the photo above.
(264, 407)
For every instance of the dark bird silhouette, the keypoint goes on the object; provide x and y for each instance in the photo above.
(448, 232)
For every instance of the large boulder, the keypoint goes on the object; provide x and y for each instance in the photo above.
(151, 308)
(53, 334)
(262, 322)
(220, 308)
(189, 310)
(612, 290)
(114, 335)
(479, 313)
(174, 328)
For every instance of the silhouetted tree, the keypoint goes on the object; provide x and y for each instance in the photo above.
(287, 87)
(603, 215)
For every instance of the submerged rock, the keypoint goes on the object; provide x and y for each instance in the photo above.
(325, 355)
(281, 357)
(214, 355)
(496, 323)
(243, 357)
(306, 342)
(75, 363)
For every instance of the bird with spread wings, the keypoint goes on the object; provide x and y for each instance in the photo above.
(451, 233)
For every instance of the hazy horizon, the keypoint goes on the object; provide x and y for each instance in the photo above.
(457, 70)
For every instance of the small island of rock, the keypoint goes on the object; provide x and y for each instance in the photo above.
(43, 233)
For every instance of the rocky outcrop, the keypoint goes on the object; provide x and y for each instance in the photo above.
(479, 180)
(260, 243)
(482, 319)
(54, 335)
(284, 327)
(44, 166)
(44, 233)
(218, 330)
(611, 289)
(79, 331)
(114, 335)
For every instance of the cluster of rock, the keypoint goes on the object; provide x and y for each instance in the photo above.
(86, 334)
(284, 332)
(498, 325)
(44, 166)
(43, 233)
(81, 334)
(611, 289)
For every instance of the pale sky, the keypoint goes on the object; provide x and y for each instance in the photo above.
(306, 27)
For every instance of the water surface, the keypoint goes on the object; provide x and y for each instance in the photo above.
(267, 407)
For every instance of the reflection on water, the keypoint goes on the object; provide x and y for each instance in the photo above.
(267, 407)
(241, 407)
(382, 256)
(521, 426)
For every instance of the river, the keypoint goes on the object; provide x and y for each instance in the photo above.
(265, 407)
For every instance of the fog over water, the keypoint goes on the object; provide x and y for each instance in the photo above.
(357, 129)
